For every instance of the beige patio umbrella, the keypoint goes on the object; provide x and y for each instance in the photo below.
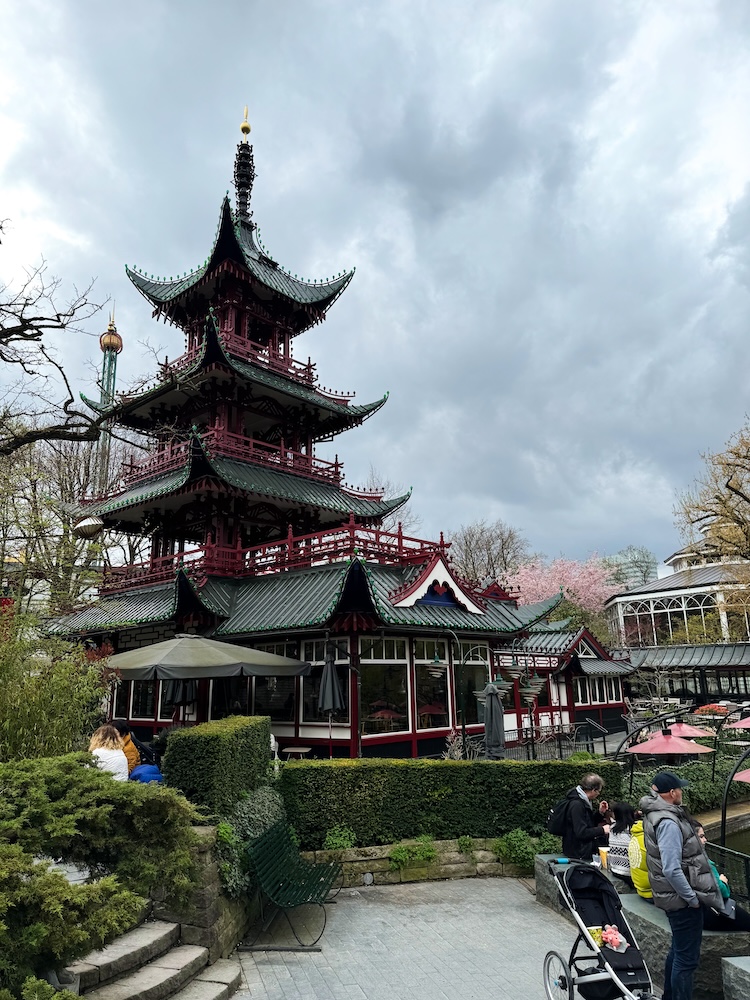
(189, 657)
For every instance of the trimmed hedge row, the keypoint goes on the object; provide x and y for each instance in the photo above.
(216, 763)
(387, 800)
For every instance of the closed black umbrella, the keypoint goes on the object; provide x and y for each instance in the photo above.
(494, 724)
(330, 697)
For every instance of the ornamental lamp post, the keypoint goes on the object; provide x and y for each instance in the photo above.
(458, 679)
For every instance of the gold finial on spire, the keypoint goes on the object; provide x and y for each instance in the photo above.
(245, 127)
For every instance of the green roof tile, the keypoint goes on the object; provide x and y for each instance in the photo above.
(236, 241)
(138, 607)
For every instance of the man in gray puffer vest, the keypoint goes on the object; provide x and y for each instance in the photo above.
(681, 879)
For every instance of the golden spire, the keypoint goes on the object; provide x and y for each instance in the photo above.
(245, 127)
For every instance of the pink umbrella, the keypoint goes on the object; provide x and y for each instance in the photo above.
(743, 775)
(742, 724)
(685, 730)
(666, 743)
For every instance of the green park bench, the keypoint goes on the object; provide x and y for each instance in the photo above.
(286, 880)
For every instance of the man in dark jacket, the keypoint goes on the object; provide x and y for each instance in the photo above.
(585, 827)
(681, 879)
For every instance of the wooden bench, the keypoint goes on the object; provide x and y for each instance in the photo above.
(286, 879)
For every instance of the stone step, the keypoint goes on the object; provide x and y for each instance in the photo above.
(217, 982)
(128, 952)
(160, 978)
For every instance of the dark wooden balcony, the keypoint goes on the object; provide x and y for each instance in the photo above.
(222, 442)
(293, 552)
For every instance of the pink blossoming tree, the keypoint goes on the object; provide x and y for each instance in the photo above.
(585, 584)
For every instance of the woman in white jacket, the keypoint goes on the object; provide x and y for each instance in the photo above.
(106, 746)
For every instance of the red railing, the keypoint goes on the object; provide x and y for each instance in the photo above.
(249, 450)
(222, 442)
(293, 552)
(266, 357)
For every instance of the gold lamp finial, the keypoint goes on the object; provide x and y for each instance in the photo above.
(245, 126)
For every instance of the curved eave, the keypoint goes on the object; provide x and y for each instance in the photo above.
(150, 490)
(120, 611)
(340, 417)
(276, 484)
(236, 241)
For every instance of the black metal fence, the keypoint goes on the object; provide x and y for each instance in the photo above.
(736, 867)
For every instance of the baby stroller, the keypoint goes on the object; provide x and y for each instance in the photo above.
(599, 972)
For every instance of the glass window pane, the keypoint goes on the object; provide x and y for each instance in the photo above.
(274, 696)
(311, 693)
(470, 678)
(432, 696)
(384, 698)
(120, 708)
(144, 700)
(229, 696)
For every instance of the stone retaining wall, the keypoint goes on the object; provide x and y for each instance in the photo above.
(210, 918)
(372, 866)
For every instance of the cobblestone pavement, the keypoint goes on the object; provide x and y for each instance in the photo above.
(466, 939)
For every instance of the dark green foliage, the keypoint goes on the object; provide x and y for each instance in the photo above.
(518, 848)
(703, 793)
(466, 845)
(339, 838)
(216, 763)
(40, 989)
(58, 807)
(417, 855)
(50, 693)
(132, 837)
(45, 921)
(251, 816)
(384, 801)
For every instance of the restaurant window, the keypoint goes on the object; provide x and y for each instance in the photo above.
(120, 704)
(314, 653)
(274, 697)
(581, 691)
(229, 696)
(143, 700)
(385, 690)
(472, 674)
(431, 679)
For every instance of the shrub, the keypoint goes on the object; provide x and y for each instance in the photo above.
(703, 793)
(388, 800)
(417, 855)
(50, 692)
(255, 813)
(45, 921)
(518, 848)
(57, 807)
(339, 838)
(466, 845)
(214, 764)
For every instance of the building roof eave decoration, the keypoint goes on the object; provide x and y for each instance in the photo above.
(235, 240)
(121, 611)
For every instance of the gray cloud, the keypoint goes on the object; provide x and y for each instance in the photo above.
(546, 204)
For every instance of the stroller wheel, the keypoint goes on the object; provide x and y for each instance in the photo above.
(557, 977)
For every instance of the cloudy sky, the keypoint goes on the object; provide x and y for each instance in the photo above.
(546, 201)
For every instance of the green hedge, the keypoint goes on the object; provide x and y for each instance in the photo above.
(383, 801)
(216, 763)
(134, 838)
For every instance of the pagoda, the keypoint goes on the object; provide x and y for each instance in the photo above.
(254, 539)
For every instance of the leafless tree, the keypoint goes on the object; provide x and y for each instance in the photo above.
(37, 402)
(488, 549)
(718, 504)
(406, 516)
(632, 566)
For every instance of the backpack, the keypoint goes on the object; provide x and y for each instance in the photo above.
(557, 817)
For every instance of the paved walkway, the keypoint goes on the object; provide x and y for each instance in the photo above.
(466, 939)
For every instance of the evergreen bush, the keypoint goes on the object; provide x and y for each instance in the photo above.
(218, 762)
(387, 800)
(255, 813)
(133, 838)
